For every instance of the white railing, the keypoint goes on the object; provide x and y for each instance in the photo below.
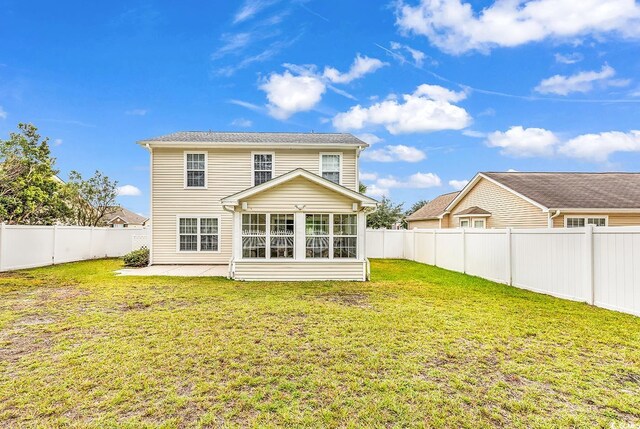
(27, 246)
(600, 266)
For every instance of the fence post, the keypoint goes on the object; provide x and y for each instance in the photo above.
(53, 250)
(2, 240)
(509, 276)
(590, 275)
(464, 250)
(414, 234)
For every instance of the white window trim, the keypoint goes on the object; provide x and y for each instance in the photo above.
(206, 168)
(331, 237)
(474, 220)
(198, 216)
(465, 220)
(253, 163)
(267, 250)
(605, 217)
(320, 164)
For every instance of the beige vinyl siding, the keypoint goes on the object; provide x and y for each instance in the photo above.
(615, 219)
(430, 224)
(300, 270)
(507, 209)
(229, 171)
(299, 191)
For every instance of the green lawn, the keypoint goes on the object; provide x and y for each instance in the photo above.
(417, 346)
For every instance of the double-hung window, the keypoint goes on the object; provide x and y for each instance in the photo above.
(195, 170)
(317, 235)
(263, 164)
(580, 222)
(330, 166)
(254, 235)
(198, 234)
(281, 235)
(345, 236)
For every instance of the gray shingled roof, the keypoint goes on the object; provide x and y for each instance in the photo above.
(127, 215)
(259, 138)
(433, 208)
(575, 190)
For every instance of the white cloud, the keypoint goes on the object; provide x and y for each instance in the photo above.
(454, 26)
(511, 170)
(472, 133)
(361, 66)
(572, 58)
(137, 112)
(289, 94)
(382, 185)
(394, 154)
(57, 142)
(250, 8)
(128, 191)
(598, 147)
(429, 108)
(579, 82)
(300, 88)
(369, 138)
(524, 142)
(242, 122)
(368, 176)
(3, 113)
(458, 184)
(246, 105)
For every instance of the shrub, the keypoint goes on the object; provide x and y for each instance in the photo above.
(137, 258)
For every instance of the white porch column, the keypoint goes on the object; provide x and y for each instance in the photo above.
(236, 247)
(362, 231)
(300, 241)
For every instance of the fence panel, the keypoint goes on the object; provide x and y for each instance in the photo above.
(23, 246)
(616, 269)
(425, 246)
(449, 250)
(486, 254)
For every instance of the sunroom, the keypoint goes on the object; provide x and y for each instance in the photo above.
(299, 226)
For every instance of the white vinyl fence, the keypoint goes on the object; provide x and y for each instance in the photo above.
(598, 265)
(23, 246)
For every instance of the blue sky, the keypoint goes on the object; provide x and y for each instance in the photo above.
(442, 88)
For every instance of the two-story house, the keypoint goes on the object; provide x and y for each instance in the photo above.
(273, 206)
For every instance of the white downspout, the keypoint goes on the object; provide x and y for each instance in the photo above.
(232, 262)
(551, 217)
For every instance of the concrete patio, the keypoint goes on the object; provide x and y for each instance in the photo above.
(177, 271)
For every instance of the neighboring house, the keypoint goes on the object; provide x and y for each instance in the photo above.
(274, 206)
(537, 200)
(119, 217)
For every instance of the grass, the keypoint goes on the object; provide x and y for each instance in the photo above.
(416, 347)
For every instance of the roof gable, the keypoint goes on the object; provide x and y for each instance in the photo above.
(234, 199)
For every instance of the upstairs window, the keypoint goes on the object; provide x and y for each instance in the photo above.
(330, 166)
(195, 170)
(262, 168)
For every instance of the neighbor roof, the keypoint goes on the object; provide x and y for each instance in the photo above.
(475, 210)
(575, 190)
(128, 216)
(257, 138)
(434, 208)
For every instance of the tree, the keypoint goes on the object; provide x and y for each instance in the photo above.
(386, 215)
(416, 206)
(30, 192)
(90, 199)
(362, 188)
